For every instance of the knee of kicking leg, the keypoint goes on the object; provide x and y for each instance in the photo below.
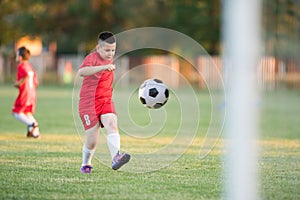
(111, 125)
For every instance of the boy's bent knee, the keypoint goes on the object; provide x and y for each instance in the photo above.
(109, 122)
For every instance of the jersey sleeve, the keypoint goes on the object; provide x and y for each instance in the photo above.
(22, 73)
(88, 61)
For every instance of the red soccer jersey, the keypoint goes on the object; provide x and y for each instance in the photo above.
(97, 88)
(26, 100)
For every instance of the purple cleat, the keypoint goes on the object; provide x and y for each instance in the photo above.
(120, 160)
(87, 169)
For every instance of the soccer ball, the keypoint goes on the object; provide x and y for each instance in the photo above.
(153, 93)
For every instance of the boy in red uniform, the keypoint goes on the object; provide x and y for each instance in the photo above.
(96, 108)
(26, 82)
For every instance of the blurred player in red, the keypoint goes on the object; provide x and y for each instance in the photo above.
(96, 107)
(26, 82)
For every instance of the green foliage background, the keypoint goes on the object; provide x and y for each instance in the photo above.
(74, 24)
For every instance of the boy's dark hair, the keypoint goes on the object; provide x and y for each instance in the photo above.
(106, 36)
(24, 53)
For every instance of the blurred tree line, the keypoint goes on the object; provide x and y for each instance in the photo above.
(281, 28)
(74, 24)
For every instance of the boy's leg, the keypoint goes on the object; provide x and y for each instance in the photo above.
(110, 123)
(35, 132)
(30, 121)
(89, 147)
(22, 117)
(31, 118)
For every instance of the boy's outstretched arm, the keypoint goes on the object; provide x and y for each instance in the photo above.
(20, 82)
(88, 71)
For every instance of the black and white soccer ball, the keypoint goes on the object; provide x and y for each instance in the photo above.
(153, 93)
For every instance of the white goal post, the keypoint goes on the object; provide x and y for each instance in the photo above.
(241, 37)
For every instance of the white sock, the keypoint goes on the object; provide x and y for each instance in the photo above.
(87, 155)
(24, 118)
(31, 118)
(113, 142)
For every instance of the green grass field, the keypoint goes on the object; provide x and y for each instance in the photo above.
(49, 168)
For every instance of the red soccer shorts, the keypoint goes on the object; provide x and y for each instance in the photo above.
(23, 109)
(91, 117)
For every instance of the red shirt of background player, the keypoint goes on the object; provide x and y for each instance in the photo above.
(26, 100)
(96, 92)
